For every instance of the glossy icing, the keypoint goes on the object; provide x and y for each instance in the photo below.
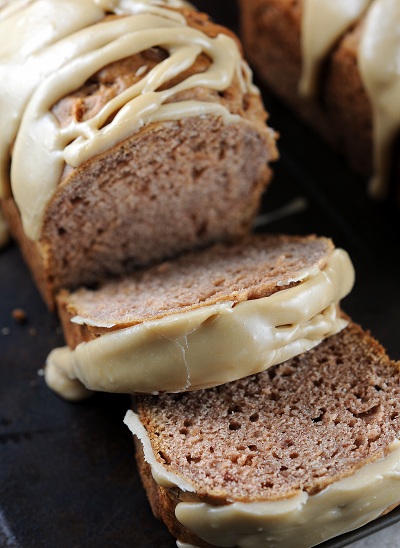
(209, 345)
(64, 42)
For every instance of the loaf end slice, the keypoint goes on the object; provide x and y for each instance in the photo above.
(173, 185)
(321, 429)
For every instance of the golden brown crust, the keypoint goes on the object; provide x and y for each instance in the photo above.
(34, 253)
(163, 502)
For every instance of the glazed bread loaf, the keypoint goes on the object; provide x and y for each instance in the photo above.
(334, 64)
(206, 318)
(290, 457)
(128, 140)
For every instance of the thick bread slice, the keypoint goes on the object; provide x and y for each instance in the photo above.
(206, 318)
(254, 267)
(292, 431)
(173, 185)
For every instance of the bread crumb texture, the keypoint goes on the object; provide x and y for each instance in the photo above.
(248, 269)
(297, 427)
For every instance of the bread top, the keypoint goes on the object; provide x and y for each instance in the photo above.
(254, 267)
(182, 66)
(296, 428)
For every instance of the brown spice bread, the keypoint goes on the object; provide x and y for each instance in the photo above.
(204, 319)
(298, 427)
(171, 186)
(341, 112)
(256, 266)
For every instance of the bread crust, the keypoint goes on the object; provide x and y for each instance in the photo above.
(163, 502)
(134, 204)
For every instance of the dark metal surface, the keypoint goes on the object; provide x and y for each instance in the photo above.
(67, 471)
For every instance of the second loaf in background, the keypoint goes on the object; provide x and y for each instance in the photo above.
(334, 63)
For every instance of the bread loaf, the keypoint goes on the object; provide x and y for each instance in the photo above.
(206, 318)
(128, 137)
(334, 64)
(290, 457)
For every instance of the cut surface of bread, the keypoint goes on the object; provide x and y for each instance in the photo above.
(177, 183)
(297, 428)
(254, 267)
(204, 319)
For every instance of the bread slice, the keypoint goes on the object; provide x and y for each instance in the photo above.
(293, 456)
(173, 184)
(341, 110)
(206, 318)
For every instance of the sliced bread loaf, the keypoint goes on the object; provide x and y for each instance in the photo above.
(129, 136)
(206, 318)
(290, 457)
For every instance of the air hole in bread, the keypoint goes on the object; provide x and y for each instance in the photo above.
(197, 172)
(191, 459)
(164, 457)
(234, 409)
(368, 416)
(267, 485)
(234, 425)
(288, 443)
(202, 230)
(318, 418)
(373, 436)
(359, 441)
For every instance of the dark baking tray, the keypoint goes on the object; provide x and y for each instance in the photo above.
(67, 471)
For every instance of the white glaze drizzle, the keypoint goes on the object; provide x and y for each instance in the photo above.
(64, 43)
(323, 23)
